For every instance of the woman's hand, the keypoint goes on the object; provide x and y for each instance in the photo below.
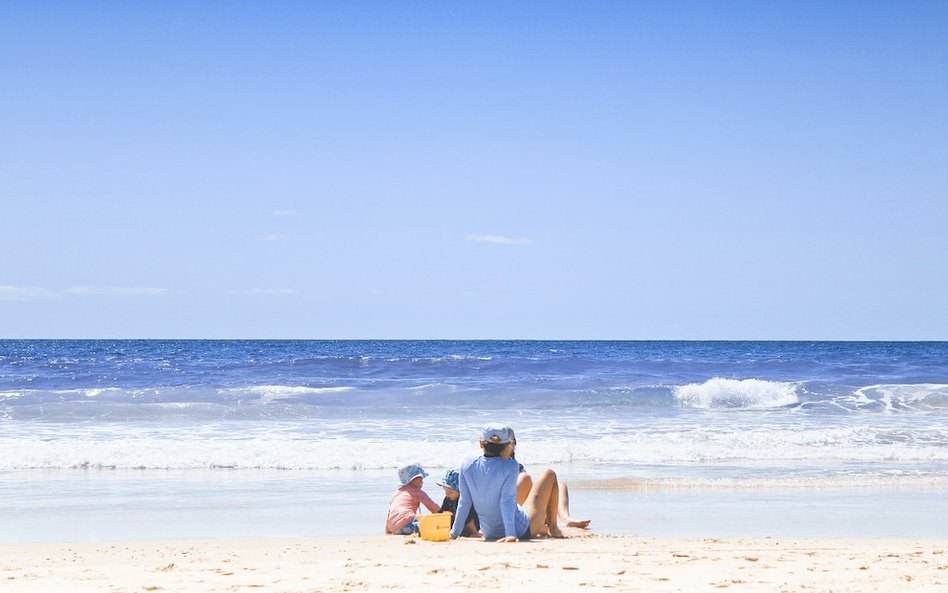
(507, 540)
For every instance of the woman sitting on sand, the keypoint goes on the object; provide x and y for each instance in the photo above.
(489, 484)
(525, 483)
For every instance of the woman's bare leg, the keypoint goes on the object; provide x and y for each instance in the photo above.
(542, 505)
(568, 520)
(524, 484)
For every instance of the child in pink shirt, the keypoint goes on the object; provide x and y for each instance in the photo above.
(407, 500)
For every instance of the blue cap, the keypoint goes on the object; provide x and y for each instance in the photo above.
(495, 433)
(450, 480)
(410, 472)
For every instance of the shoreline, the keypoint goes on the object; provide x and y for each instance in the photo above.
(654, 564)
(80, 506)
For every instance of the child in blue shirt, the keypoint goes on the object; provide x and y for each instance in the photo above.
(450, 504)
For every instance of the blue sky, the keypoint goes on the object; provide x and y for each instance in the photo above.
(576, 170)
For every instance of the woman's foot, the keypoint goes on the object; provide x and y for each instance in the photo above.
(557, 534)
(547, 532)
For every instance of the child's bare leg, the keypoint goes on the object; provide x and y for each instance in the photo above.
(564, 514)
(542, 504)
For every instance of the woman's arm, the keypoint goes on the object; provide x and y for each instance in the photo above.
(508, 501)
(464, 506)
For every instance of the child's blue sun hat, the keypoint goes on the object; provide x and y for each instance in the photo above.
(410, 472)
(450, 479)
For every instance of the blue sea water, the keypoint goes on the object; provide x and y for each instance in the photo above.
(246, 438)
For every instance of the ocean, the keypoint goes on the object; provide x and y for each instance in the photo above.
(179, 439)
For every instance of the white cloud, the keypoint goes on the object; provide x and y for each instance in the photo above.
(119, 291)
(272, 291)
(20, 293)
(24, 293)
(284, 212)
(273, 238)
(498, 240)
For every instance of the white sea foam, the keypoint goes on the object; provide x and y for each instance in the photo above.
(290, 390)
(733, 393)
(435, 388)
(354, 444)
(918, 396)
(267, 393)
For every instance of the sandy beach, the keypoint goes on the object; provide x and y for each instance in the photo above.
(408, 563)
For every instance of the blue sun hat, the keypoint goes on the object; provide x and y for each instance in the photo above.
(410, 472)
(495, 433)
(450, 479)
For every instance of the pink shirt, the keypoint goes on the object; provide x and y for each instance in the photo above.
(404, 505)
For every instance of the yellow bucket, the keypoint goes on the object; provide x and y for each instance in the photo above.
(435, 527)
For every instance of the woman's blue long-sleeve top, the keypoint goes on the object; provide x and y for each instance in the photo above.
(489, 484)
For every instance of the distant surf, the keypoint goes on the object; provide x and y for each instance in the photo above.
(788, 413)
